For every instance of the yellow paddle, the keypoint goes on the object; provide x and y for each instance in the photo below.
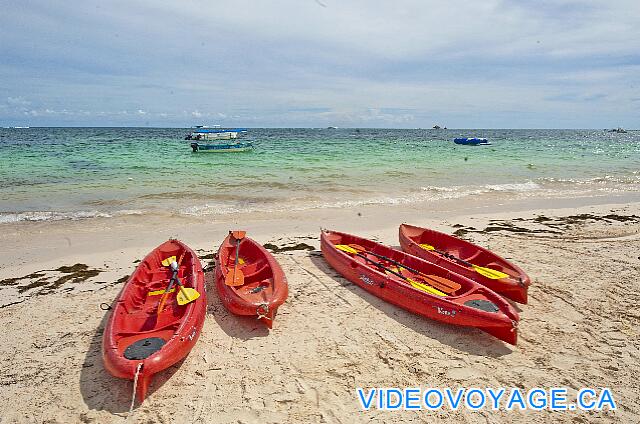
(434, 281)
(186, 294)
(487, 272)
(425, 288)
(414, 284)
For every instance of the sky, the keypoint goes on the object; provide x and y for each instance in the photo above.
(318, 63)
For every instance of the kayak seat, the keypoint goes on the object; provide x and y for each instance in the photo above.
(247, 268)
(473, 257)
(148, 323)
(499, 267)
(263, 273)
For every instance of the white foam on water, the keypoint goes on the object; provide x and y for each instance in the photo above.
(635, 179)
(516, 187)
(41, 216)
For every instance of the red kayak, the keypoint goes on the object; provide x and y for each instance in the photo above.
(249, 279)
(419, 286)
(138, 339)
(465, 258)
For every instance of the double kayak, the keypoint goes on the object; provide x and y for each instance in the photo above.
(150, 328)
(419, 286)
(262, 288)
(467, 259)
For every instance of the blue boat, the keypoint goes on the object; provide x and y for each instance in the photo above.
(221, 148)
(472, 141)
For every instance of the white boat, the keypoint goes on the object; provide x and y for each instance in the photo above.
(203, 134)
(204, 140)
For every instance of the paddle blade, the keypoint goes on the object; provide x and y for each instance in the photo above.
(238, 235)
(427, 246)
(234, 278)
(443, 281)
(187, 295)
(490, 273)
(346, 248)
(426, 288)
(168, 261)
(440, 283)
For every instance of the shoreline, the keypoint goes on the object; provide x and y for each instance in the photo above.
(23, 241)
(580, 328)
(193, 207)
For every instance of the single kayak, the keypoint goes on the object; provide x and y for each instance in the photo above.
(468, 259)
(419, 286)
(249, 279)
(138, 339)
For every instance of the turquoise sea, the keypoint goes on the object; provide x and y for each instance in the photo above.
(76, 173)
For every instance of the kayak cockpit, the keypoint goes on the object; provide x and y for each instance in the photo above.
(258, 274)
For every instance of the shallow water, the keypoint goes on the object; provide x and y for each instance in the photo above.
(70, 173)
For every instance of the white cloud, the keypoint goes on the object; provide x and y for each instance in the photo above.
(365, 62)
(18, 101)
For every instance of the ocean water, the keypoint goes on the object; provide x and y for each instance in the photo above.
(80, 173)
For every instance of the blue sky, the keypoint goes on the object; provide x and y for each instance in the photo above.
(314, 63)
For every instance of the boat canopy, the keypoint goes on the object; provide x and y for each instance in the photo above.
(221, 130)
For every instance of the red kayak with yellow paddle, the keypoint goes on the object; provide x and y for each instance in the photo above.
(419, 286)
(468, 259)
(248, 278)
(157, 317)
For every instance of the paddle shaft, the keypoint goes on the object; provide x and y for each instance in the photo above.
(173, 279)
(235, 266)
(383, 267)
(415, 271)
(450, 256)
(494, 274)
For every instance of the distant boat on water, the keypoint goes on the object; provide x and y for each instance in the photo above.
(472, 141)
(203, 138)
(618, 130)
(221, 148)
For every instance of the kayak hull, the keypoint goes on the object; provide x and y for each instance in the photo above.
(265, 286)
(138, 339)
(452, 309)
(514, 287)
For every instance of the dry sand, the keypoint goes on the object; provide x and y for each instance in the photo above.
(580, 328)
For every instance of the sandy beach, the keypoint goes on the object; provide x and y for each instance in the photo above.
(580, 328)
(513, 125)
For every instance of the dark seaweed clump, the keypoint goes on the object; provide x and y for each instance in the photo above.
(71, 273)
(554, 225)
(299, 246)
